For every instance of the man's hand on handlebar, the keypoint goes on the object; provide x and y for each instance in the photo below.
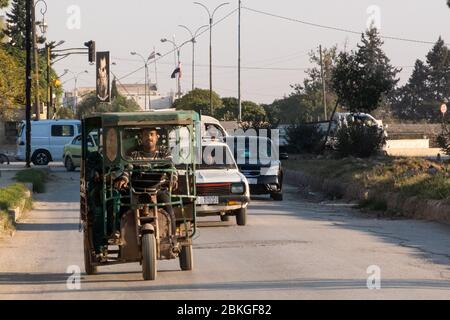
(120, 183)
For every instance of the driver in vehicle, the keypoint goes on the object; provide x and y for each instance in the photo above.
(149, 150)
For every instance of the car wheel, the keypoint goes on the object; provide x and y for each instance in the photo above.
(41, 158)
(68, 163)
(277, 196)
(241, 217)
(224, 218)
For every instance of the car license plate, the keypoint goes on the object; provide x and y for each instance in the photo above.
(208, 200)
(252, 181)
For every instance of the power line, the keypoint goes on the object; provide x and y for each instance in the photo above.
(333, 28)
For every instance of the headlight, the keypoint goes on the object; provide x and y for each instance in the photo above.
(237, 188)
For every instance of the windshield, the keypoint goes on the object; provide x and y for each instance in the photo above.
(216, 157)
(252, 150)
(157, 143)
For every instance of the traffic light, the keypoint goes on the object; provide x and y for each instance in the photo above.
(91, 50)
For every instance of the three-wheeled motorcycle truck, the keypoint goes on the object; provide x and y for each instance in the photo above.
(151, 216)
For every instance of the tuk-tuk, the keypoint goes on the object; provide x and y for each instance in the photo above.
(137, 189)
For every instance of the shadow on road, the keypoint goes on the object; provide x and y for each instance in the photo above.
(47, 226)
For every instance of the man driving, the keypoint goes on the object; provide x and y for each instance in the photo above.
(149, 150)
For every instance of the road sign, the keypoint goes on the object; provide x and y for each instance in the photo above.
(443, 108)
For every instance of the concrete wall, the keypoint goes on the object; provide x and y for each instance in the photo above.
(408, 144)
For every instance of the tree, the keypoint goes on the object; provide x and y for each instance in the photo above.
(11, 85)
(198, 100)
(4, 3)
(372, 76)
(119, 103)
(427, 88)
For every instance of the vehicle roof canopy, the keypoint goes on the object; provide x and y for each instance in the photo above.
(109, 119)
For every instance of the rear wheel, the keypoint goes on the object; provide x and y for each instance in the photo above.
(149, 256)
(41, 158)
(224, 217)
(88, 266)
(241, 217)
(186, 258)
(68, 163)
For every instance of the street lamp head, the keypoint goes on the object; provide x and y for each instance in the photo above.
(133, 53)
(163, 40)
(43, 26)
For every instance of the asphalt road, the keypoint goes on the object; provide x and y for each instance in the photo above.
(295, 249)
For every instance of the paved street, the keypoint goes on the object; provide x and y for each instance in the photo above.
(295, 249)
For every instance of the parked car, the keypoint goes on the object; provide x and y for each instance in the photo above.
(221, 188)
(48, 138)
(72, 151)
(258, 159)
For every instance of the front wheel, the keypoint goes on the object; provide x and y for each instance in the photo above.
(149, 256)
(88, 266)
(241, 217)
(186, 258)
(69, 164)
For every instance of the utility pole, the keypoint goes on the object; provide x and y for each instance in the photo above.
(156, 71)
(49, 91)
(323, 84)
(28, 6)
(36, 64)
(239, 65)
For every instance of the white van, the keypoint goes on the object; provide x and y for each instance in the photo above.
(48, 138)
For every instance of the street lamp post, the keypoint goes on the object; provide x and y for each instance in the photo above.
(146, 79)
(28, 27)
(211, 20)
(75, 93)
(193, 36)
(43, 26)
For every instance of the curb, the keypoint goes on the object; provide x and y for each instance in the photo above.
(409, 207)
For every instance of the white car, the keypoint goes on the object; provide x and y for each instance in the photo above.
(48, 138)
(221, 188)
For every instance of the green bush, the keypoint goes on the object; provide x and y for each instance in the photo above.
(357, 139)
(11, 196)
(304, 138)
(37, 177)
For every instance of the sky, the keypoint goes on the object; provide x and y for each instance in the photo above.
(274, 51)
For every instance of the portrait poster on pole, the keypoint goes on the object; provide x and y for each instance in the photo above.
(102, 76)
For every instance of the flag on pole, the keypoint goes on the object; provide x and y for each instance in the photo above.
(177, 71)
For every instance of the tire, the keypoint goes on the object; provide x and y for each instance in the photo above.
(68, 163)
(4, 159)
(241, 217)
(41, 158)
(186, 258)
(224, 218)
(277, 196)
(149, 256)
(88, 266)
